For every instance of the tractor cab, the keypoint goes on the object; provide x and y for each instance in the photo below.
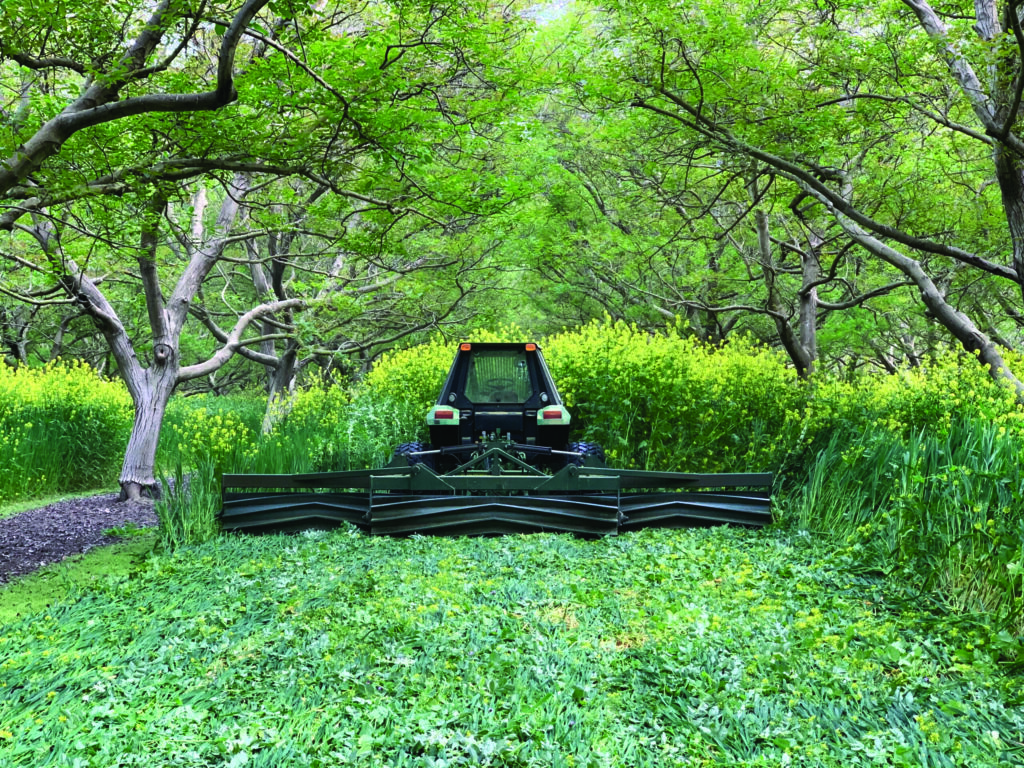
(496, 391)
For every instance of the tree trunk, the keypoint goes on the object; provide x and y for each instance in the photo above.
(793, 344)
(14, 332)
(807, 323)
(280, 387)
(1011, 186)
(152, 390)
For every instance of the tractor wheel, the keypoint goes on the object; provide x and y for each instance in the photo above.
(406, 449)
(586, 449)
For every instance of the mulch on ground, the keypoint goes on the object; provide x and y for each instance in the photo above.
(38, 537)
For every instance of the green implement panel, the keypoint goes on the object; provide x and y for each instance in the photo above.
(495, 492)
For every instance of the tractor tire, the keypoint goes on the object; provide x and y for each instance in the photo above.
(586, 449)
(406, 449)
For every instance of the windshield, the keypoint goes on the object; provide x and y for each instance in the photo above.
(498, 376)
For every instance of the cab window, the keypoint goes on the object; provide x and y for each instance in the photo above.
(498, 376)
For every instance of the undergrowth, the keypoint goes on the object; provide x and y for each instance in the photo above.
(939, 512)
(62, 429)
(714, 647)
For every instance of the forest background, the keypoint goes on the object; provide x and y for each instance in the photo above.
(751, 236)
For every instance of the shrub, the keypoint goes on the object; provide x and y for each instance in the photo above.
(950, 387)
(667, 402)
(413, 375)
(660, 400)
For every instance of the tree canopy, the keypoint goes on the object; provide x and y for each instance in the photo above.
(233, 192)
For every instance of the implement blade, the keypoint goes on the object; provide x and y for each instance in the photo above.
(639, 478)
(696, 508)
(402, 515)
(261, 512)
(586, 501)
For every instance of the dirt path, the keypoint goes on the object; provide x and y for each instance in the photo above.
(37, 537)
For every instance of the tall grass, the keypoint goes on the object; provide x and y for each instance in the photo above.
(323, 431)
(939, 512)
(187, 508)
(365, 433)
(62, 429)
(208, 426)
(204, 438)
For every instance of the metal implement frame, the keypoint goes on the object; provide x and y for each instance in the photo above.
(496, 491)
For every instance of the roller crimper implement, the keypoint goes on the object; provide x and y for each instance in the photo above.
(499, 461)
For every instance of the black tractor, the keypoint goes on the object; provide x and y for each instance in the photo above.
(499, 392)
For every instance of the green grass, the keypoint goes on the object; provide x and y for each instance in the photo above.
(55, 583)
(713, 647)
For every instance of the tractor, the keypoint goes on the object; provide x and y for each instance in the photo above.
(500, 460)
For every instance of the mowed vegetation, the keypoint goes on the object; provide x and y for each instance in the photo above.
(878, 623)
(663, 648)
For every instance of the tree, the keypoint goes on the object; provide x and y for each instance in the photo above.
(862, 110)
(113, 71)
(370, 282)
(630, 216)
(109, 195)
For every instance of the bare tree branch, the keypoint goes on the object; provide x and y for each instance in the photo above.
(858, 300)
(234, 340)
